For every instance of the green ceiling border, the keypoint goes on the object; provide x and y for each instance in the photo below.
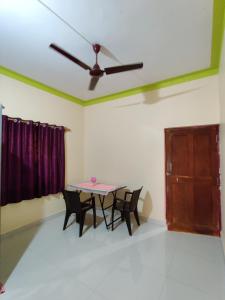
(154, 86)
(39, 85)
(216, 50)
(217, 32)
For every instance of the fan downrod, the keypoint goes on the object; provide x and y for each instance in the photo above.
(96, 70)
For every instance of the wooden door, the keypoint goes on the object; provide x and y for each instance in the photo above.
(192, 179)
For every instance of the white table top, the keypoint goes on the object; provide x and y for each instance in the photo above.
(96, 188)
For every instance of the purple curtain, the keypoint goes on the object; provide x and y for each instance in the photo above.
(33, 160)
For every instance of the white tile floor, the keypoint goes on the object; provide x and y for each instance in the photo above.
(43, 262)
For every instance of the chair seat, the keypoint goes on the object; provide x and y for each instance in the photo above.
(86, 206)
(120, 204)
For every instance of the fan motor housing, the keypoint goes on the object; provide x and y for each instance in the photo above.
(96, 71)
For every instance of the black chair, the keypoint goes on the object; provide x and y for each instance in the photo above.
(126, 207)
(74, 205)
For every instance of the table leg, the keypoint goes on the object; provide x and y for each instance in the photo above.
(102, 199)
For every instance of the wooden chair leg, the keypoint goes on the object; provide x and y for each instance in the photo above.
(94, 213)
(66, 219)
(137, 216)
(127, 218)
(82, 217)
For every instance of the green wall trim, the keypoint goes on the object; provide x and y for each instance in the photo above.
(216, 50)
(155, 86)
(217, 32)
(130, 92)
(39, 85)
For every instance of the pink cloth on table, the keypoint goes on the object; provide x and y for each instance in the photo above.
(96, 186)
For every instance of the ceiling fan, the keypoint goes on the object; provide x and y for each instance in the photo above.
(96, 72)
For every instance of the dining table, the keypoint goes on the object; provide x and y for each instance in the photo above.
(101, 190)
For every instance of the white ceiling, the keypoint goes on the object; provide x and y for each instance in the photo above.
(171, 38)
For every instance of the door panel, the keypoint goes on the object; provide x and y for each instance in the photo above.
(192, 179)
(202, 154)
(181, 205)
(204, 206)
(180, 154)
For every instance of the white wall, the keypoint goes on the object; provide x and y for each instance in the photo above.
(222, 139)
(27, 102)
(124, 139)
(119, 142)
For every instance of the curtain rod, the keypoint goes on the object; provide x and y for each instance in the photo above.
(37, 122)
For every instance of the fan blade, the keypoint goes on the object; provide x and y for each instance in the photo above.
(123, 68)
(93, 83)
(69, 56)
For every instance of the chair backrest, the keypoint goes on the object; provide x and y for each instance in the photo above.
(134, 199)
(72, 200)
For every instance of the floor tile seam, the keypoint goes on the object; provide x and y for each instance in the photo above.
(51, 284)
(22, 290)
(183, 249)
(172, 261)
(180, 281)
(94, 259)
(197, 234)
(190, 286)
(111, 275)
(163, 273)
(223, 256)
(95, 287)
(90, 288)
(202, 258)
(162, 289)
(111, 249)
(196, 237)
(101, 282)
(103, 254)
(54, 278)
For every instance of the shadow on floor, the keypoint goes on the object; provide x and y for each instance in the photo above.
(88, 222)
(13, 247)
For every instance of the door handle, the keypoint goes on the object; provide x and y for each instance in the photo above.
(169, 168)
